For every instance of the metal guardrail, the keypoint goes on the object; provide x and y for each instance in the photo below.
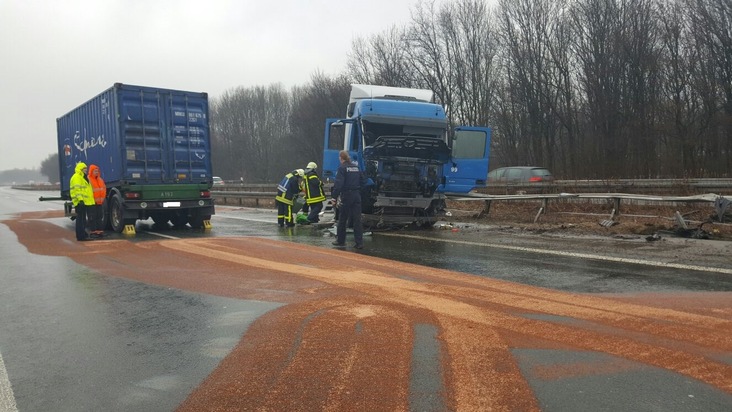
(256, 199)
(646, 186)
(633, 186)
(721, 203)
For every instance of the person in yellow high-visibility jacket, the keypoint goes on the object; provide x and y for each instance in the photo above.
(82, 197)
(314, 194)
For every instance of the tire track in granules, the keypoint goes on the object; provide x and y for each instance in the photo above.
(491, 311)
(344, 338)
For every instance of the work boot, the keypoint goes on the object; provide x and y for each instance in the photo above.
(357, 246)
(338, 244)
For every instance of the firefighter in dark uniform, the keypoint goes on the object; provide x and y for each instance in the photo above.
(287, 190)
(348, 183)
(314, 194)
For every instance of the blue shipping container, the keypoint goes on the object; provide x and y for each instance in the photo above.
(138, 136)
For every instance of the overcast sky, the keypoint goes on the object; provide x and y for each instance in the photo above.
(57, 54)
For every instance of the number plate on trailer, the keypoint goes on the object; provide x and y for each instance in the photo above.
(171, 204)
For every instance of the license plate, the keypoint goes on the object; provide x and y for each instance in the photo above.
(171, 204)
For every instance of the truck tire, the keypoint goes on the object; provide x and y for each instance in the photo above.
(161, 218)
(197, 220)
(117, 214)
(179, 218)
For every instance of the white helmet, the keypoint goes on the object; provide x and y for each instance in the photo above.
(300, 172)
(312, 165)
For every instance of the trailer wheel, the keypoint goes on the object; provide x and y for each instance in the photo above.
(197, 220)
(179, 219)
(116, 213)
(160, 219)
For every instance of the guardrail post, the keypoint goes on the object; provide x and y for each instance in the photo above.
(486, 208)
(544, 204)
(616, 203)
(541, 211)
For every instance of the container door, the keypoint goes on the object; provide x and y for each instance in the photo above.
(468, 167)
(143, 129)
(189, 133)
(165, 134)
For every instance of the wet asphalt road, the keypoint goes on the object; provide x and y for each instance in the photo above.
(64, 326)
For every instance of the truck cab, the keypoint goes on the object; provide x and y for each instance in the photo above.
(402, 142)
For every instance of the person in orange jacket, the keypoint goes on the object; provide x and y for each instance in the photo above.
(96, 212)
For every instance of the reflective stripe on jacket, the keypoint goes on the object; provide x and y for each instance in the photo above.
(313, 189)
(99, 188)
(288, 189)
(80, 189)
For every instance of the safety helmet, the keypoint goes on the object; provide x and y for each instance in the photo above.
(300, 172)
(312, 165)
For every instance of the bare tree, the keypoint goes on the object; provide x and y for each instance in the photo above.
(472, 45)
(453, 52)
(322, 98)
(533, 82)
(641, 50)
(382, 59)
(428, 52)
(251, 132)
(680, 113)
(597, 48)
(712, 30)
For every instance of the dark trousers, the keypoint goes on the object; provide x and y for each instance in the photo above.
(284, 214)
(81, 209)
(350, 210)
(96, 217)
(314, 213)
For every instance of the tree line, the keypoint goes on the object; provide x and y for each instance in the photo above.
(587, 88)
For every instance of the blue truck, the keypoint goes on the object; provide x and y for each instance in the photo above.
(154, 151)
(403, 143)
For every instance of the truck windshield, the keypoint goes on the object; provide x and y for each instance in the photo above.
(372, 131)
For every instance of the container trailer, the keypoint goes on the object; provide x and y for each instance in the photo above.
(153, 148)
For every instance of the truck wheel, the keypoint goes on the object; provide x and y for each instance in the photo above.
(116, 213)
(197, 220)
(179, 219)
(161, 219)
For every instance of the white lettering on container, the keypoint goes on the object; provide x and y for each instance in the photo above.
(84, 144)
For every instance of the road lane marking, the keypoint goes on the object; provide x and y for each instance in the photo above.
(7, 399)
(573, 254)
(246, 218)
(162, 235)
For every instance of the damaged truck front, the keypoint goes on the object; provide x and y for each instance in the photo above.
(402, 142)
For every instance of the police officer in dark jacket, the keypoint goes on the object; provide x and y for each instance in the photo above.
(348, 183)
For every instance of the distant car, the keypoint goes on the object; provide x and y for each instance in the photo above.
(520, 174)
(218, 181)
